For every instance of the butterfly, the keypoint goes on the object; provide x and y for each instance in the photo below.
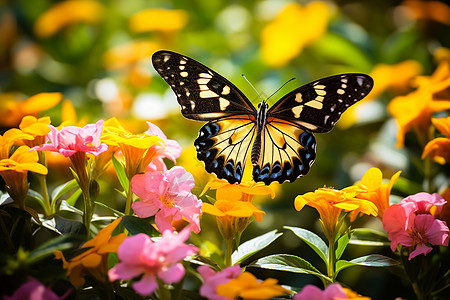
(283, 147)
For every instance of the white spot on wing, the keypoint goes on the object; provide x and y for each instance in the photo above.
(182, 62)
(184, 74)
(319, 86)
(314, 104)
(296, 110)
(208, 94)
(340, 91)
(223, 103)
(298, 97)
(205, 75)
(321, 92)
(166, 58)
(192, 104)
(360, 80)
(226, 90)
(203, 80)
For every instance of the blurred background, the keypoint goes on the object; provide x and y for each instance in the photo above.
(98, 54)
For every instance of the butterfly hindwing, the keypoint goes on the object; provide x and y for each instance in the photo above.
(202, 93)
(223, 146)
(287, 153)
(317, 106)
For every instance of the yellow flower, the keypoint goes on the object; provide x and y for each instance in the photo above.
(158, 20)
(372, 189)
(65, 13)
(230, 214)
(14, 171)
(136, 149)
(12, 111)
(37, 128)
(330, 203)
(439, 148)
(414, 110)
(295, 27)
(10, 138)
(247, 287)
(94, 260)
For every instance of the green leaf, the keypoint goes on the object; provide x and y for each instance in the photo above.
(62, 225)
(136, 225)
(313, 241)
(120, 172)
(67, 207)
(252, 246)
(342, 244)
(288, 263)
(118, 213)
(36, 197)
(372, 260)
(62, 243)
(369, 237)
(74, 197)
(64, 188)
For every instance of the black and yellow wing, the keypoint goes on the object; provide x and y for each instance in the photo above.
(202, 93)
(289, 147)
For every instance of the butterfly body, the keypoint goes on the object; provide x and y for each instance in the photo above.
(280, 138)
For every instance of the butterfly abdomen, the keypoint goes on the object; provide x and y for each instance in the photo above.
(261, 119)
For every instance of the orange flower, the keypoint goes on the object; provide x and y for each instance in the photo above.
(12, 111)
(14, 171)
(414, 110)
(230, 215)
(247, 287)
(330, 203)
(94, 260)
(126, 55)
(428, 10)
(136, 149)
(37, 128)
(374, 190)
(439, 148)
(158, 20)
(65, 13)
(295, 27)
(9, 139)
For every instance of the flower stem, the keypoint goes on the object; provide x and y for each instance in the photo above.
(129, 201)
(331, 258)
(229, 251)
(43, 183)
(162, 291)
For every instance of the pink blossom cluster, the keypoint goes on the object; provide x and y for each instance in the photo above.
(411, 223)
(312, 292)
(139, 255)
(72, 139)
(211, 280)
(167, 196)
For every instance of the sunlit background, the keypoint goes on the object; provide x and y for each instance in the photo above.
(98, 54)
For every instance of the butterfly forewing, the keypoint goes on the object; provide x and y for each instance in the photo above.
(223, 145)
(317, 106)
(287, 153)
(202, 93)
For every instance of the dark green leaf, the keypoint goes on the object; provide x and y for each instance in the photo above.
(288, 263)
(61, 243)
(64, 188)
(369, 237)
(67, 207)
(342, 244)
(62, 225)
(136, 225)
(253, 246)
(372, 260)
(313, 241)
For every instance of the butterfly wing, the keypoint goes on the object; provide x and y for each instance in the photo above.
(223, 146)
(202, 93)
(317, 106)
(289, 147)
(287, 153)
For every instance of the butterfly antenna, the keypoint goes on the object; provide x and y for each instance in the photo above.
(253, 87)
(280, 88)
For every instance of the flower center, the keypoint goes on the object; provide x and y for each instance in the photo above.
(167, 201)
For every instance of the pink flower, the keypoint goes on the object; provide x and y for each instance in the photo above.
(171, 150)
(140, 255)
(424, 202)
(331, 292)
(211, 280)
(34, 290)
(168, 195)
(410, 224)
(72, 139)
